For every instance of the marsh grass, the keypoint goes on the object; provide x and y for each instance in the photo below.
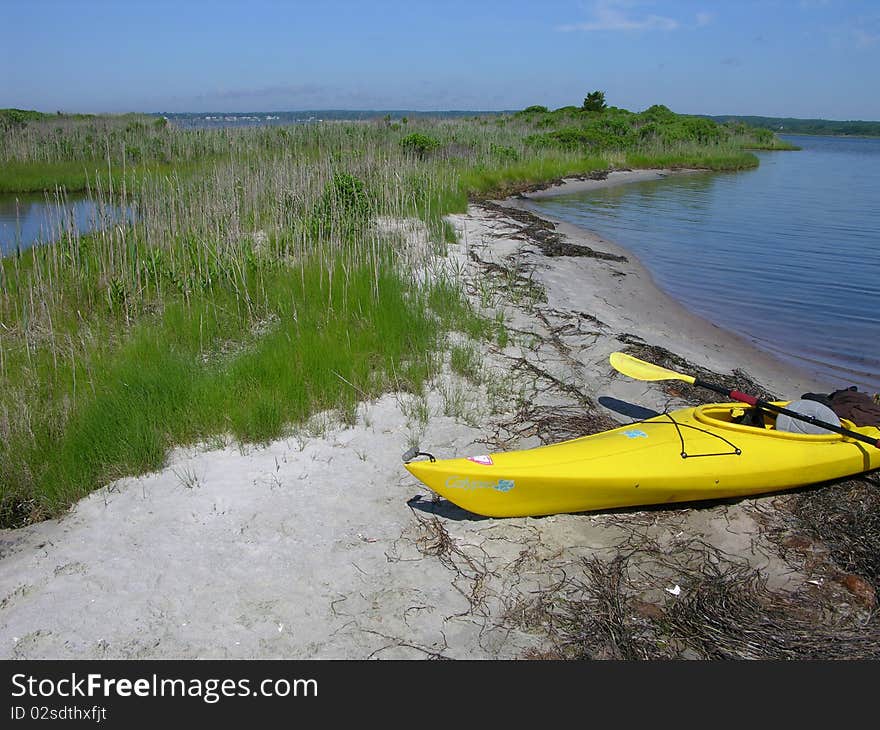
(466, 360)
(691, 156)
(250, 289)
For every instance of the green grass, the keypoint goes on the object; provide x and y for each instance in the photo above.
(775, 144)
(717, 160)
(171, 380)
(455, 313)
(466, 361)
(90, 175)
(24, 177)
(505, 180)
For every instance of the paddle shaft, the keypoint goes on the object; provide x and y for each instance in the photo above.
(752, 401)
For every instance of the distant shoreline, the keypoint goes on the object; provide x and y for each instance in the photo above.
(829, 136)
(370, 114)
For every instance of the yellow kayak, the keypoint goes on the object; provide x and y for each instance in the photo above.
(687, 455)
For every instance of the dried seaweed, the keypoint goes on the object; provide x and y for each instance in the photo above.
(517, 281)
(543, 234)
(833, 532)
(550, 424)
(846, 518)
(723, 610)
(468, 566)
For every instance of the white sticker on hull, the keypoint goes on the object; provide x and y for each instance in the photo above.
(484, 459)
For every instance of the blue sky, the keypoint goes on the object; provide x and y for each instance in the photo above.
(801, 58)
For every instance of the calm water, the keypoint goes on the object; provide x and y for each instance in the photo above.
(28, 219)
(787, 255)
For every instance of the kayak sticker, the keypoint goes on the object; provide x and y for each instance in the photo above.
(484, 459)
(635, 433)
(500, 485)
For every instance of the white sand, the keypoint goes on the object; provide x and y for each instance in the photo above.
(308, 547)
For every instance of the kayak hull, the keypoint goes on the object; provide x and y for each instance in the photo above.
(688, 455)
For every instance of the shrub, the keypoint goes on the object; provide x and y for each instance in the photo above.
(503, 153)
(610, 134)
(419, 144)
(658, 113)
(344, 206)
(704, 131)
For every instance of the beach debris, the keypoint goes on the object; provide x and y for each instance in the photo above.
(543, 234)
(860, 588)
(597, 610)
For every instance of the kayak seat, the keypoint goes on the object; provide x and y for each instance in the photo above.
(754, 417)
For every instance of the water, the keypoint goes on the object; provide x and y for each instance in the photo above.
(29, 219)
(787, 255)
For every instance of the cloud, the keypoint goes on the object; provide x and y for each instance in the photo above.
(704, 19)
(610, 15)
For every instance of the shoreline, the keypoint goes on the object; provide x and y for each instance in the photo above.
(777, 368)
(570, 186)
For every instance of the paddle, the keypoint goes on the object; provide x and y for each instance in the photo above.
(641, 370)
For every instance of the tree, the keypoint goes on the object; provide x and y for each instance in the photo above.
(595, 102)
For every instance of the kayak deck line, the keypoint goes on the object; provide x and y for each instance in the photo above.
(684, 454)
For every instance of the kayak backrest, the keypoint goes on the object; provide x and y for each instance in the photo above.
(810, 408)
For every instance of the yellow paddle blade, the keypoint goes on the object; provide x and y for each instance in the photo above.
(641, 370)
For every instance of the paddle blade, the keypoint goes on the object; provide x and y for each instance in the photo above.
(641, 370)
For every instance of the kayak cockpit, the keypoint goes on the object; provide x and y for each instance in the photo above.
(743, 419)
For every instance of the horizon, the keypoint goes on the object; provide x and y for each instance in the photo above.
(426, 112)
(798, 59)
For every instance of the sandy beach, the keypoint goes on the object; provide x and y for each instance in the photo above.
(320, 545)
